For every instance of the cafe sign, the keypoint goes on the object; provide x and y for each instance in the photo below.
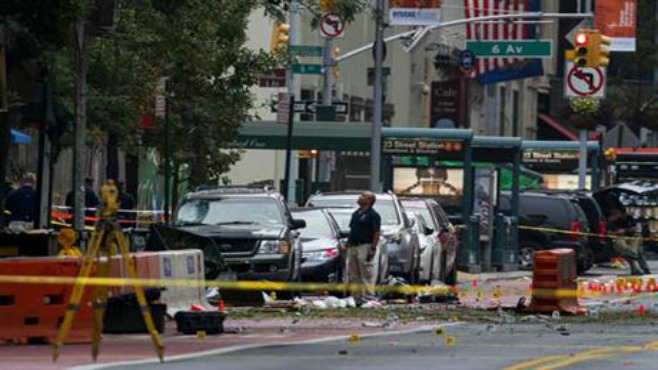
(417, 146)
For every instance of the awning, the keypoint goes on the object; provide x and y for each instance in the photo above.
(555, 125)
(18, 137)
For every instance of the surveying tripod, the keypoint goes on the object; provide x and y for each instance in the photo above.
(105, 239)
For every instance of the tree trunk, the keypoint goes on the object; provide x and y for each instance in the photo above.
(175, 182)
(112, 168)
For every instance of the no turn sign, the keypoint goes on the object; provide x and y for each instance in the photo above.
(332, 25)
(583, 81)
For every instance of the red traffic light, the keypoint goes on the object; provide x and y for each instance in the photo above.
(581, 39)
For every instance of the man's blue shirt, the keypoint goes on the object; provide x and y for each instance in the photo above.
(363, 226)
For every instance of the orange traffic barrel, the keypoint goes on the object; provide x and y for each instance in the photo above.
(554, 282)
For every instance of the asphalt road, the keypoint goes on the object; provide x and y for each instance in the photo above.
(545, 345)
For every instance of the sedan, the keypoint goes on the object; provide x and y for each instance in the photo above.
(430, 249)
(320, 239)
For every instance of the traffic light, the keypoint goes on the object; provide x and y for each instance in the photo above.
(599, 49)
(280, 37)
(582, 54)
(307, 154)
(326, 5)
(335, 70)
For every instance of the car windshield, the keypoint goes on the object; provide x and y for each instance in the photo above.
(423, 210)
(223, 211)
(317, 225)
(385, 207)
(342, 217)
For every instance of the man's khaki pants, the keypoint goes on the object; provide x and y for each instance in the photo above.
(359, 271)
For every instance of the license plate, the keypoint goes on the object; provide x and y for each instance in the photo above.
(227, 276)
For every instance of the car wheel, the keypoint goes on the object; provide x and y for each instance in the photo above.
(527, 254)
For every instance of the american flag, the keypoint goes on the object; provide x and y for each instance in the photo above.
(505, 29)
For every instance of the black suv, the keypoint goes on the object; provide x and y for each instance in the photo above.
(602, 247)
(251, 229)
(402, 244)
(539, 214)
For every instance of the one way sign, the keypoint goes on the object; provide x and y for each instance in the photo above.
(310, 106)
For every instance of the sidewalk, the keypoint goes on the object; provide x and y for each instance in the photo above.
(131, 347)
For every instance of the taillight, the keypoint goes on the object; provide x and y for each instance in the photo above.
(575, 229)
(603, 230)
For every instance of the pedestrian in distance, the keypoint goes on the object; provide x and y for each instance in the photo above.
(92, 202)
(361, 246)
(627, 244)
(21, 203)
(126, 206)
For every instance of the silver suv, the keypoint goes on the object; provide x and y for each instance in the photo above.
(401, 241)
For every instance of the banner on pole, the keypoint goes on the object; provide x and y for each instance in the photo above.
(617, 19)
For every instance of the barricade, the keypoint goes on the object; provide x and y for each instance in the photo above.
(31, 313)
(554, 274)
(183, 265)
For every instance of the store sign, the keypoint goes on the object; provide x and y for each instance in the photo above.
(414, 12)
(447, 104)
(550, 158)
(409, 146)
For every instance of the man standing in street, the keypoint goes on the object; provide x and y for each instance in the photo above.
(365, 228)
(22, 204)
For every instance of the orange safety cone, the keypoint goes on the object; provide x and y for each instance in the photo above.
(221, 305)
(641, 310)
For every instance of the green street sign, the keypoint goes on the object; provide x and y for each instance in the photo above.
(506, 49)
(305, 51)
(307, 69)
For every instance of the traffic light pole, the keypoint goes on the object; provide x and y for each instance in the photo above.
(376, 139)
(582, 134)
(291, 169)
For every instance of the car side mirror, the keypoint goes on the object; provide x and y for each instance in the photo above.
(429, 231)
(298, 224)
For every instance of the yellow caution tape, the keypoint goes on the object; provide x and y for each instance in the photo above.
(580, 233)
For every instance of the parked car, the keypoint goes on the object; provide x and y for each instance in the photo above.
(401, 242)
(541, 213)
(437, 219)
(601, 245)
(430, 249)
(320, 239)
(380, 260)
(250, 228)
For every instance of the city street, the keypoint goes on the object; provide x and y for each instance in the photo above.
(549, 345)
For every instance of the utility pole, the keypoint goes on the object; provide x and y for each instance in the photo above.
(582, 134)
(79, 151)
(291, 169)
(375, 144)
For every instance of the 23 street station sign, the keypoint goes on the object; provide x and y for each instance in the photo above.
(408, 146)
(550, 158)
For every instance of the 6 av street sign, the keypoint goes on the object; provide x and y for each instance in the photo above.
(506, 49)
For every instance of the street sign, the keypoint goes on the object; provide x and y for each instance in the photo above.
(331, 25)
(283, 110)
(305, 51)
(307, 69)
(467, 60)
(386, 71)
(310, 106)
(571, 35)
(583, 81)
(506, 49)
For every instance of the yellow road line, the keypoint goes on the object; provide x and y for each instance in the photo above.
(560, 361)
